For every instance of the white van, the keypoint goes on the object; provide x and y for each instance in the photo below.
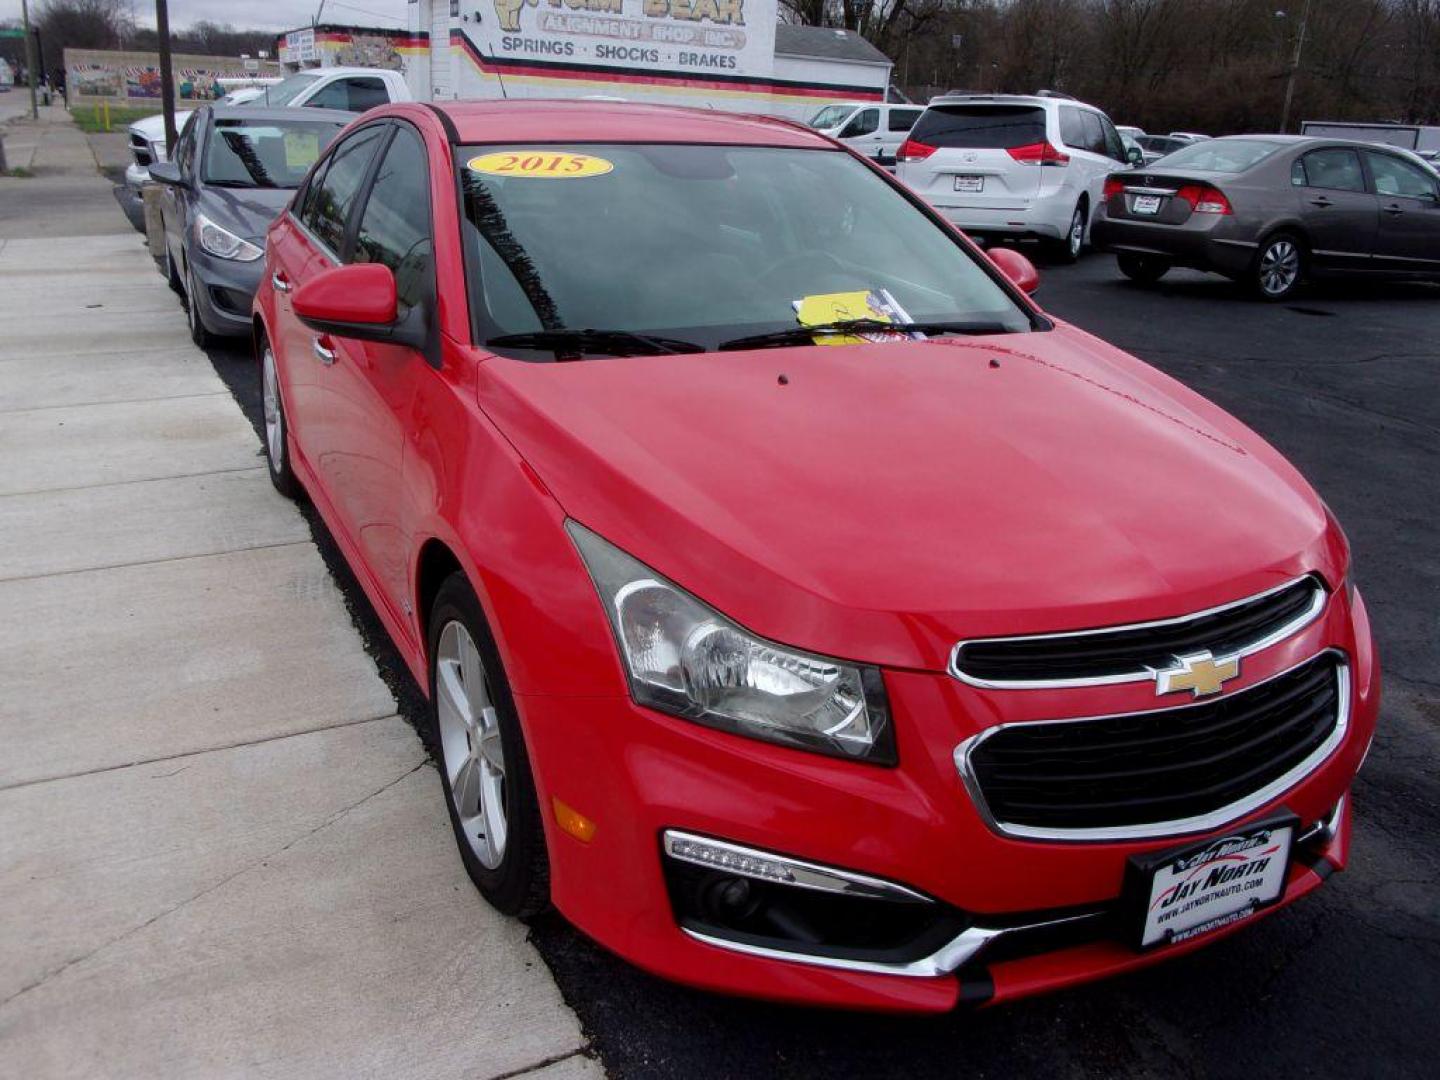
(871, 128)
(1015, 165)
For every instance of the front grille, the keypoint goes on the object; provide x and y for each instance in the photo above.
(1125, 653)
(1153, 773)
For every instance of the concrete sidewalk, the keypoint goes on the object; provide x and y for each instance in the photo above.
(220, 851)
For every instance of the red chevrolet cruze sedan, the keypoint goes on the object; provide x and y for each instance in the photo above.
(802, 611)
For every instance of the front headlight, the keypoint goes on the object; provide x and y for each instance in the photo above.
(685, 658)
(222, 243)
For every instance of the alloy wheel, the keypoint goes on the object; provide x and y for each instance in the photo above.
(1279, 267)
(274, 418)
(471, 744)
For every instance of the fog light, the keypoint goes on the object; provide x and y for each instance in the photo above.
(705, 853)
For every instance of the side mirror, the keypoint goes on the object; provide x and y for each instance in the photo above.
(167, 173)
(1135, 156)
(359, 302)
(1016, 267)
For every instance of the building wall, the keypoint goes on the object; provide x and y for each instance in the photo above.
(119, 77)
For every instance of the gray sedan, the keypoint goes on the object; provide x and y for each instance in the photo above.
(1274, 210)
(232, 173)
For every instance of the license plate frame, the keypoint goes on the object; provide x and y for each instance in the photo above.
(1148, 205)
(970, 183)
(1224, 884)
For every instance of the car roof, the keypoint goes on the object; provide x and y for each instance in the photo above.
(1009, 99)
(341, 70)
(278, 112)
(557, 120)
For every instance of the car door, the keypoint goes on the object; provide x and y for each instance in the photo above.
(1340, 216)
(862, 133)
(175, 200)
(320, 229)
(371, 387)
(1408, 237)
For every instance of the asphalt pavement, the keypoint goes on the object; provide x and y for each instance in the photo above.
(1344, 381)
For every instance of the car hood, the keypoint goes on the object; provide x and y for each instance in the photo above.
(246, 212)
(880, 502)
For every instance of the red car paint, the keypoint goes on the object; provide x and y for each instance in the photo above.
(1022, 483)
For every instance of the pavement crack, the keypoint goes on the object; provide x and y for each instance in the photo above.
(544, 1063)
(261, 861)
(156, 562)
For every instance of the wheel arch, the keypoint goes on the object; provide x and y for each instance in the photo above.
(433, 565)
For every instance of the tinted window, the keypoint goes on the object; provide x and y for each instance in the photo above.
(1222, 155)
(1094, 133)
(265, 153)
(903, 119)
(1114, 146)
(733, 239)
(1336, 169)
(980, 127)
(865, 122)
(351, 95)
(1072, 127)
(185, 146)
(1396, 177)
(395, 226)
(329, 209)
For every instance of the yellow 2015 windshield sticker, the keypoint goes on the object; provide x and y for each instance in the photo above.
(540, 164)
(877, 305)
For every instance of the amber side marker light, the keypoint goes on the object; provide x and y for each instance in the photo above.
(572, 821)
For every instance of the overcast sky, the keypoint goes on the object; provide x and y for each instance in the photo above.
(256, 14)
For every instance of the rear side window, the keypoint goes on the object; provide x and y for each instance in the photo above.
(980, 127)
(327, 212)
(1336, 169)
(903, 119)
(1094, 133)
(1072, 127)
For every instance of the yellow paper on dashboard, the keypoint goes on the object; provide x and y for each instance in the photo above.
(301, 150)
(876, 305)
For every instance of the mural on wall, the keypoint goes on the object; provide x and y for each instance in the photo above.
(369, 50)
(95, 73)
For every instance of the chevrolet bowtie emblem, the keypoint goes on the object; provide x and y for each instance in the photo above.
(1200, 673)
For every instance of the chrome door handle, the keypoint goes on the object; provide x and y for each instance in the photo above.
(324, 355)
(278, 280)
(1321, 201)
(1393, 209)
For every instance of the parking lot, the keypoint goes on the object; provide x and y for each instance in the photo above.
(1343, 381)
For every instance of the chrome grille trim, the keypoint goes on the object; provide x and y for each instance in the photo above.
(1178, 827)
(1317, 605)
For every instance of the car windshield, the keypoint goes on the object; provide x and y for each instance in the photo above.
(265, 153)
(287, 90)
(706, 244)
(1221, 155)
(831, 116)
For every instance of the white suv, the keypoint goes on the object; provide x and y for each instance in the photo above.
(1014, 164)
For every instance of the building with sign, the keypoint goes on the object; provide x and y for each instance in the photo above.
(724, 54)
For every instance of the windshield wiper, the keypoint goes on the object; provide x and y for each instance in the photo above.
(802, 335)
(570, 344)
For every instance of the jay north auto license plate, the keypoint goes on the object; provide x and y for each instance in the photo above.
(1146, 204)
(970, 183)
(1180, 894)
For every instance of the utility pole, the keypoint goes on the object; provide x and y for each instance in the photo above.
(167, 78)
(29, 58)
(1294, 66)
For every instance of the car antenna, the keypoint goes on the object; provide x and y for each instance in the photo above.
(499, 75)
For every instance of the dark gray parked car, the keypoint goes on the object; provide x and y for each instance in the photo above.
(232, 173)
(1273, 210)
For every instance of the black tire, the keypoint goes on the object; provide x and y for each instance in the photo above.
(1068, 248)
(172, 276)
(1278, 270)
(275, 439)
(520, 884)
(1145, 269)
(198, 334)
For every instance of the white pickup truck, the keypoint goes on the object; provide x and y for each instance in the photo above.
(353, 89)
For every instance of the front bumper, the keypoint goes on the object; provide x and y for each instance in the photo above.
(637, 774)
(227, 291)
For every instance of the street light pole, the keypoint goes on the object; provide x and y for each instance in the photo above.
(167, 79)
(1294, 65)
(29, 58)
